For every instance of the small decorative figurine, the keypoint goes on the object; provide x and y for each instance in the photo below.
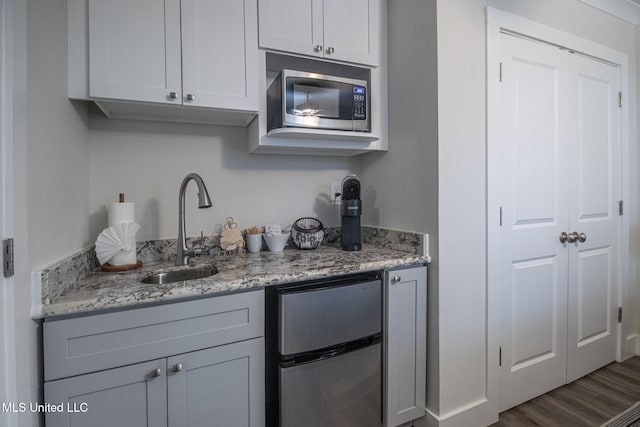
(231, 238)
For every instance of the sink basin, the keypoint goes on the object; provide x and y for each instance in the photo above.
(180, 275)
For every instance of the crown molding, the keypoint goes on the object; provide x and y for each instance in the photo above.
(626, 10)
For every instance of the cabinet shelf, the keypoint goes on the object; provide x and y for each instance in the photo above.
(335, 135)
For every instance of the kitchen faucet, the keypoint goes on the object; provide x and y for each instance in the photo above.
(183, 252)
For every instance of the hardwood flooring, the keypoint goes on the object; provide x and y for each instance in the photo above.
(587, 402)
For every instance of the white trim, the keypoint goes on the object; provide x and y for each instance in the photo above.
(497, 21)
(8, 380)
(472, 414)
(623, 9)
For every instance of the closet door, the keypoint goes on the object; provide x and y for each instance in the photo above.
(532, 190)
(557, 188)
(593, 214)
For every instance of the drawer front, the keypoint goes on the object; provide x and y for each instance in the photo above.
(86, 344)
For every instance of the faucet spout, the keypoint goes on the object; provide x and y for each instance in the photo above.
(183, 253)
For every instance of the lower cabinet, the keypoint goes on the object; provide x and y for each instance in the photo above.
(405, 344)
(222, 385)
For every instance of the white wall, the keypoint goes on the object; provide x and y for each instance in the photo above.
(462, 348)
(147, 161)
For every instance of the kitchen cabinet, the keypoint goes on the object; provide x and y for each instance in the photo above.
(173, 60)
(330, 29)
(175, 365)
(405, 343)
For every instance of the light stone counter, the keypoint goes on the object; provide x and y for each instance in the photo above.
(70, 287)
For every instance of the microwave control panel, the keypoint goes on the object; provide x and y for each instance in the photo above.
(359, 103)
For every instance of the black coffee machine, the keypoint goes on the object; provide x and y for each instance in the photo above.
(351, 210)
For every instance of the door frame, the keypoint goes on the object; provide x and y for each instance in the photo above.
(8, 380)
(497, 22)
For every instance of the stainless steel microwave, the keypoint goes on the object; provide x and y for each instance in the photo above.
(310, 100)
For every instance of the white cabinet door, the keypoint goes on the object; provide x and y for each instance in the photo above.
(351, 30)
(221, 386)
(292, 26)
(220, 54)
(331, 29)
(130, 396)
(405, 342)
(134, 50)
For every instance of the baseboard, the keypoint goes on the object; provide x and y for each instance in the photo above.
(472, 415)
(633, 345)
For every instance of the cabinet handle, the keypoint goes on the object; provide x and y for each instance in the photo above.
(173, 95)
(155, 373)
(317, 48)
(330, 50)
(396, 279)
(191, 97)
(177, 367)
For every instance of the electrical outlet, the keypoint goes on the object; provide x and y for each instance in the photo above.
(335, 189)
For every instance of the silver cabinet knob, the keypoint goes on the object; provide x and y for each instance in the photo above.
(191, 97)
(563, 237)
(582, 237)
(155, 373)
(330, 50)
(177, 367)
(173, 95)
(572, 237)
(317, 48)
(396, 279)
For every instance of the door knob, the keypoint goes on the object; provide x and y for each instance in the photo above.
(317, 48)
(572, 237)
(177, 367)
(396, 279)
(191, 97)
(582, 237)
(330, 51)
(563, 237)
(155, 373)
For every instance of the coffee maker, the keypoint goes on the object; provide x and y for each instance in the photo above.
(351, 210)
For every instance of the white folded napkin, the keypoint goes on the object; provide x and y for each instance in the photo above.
(117, 244)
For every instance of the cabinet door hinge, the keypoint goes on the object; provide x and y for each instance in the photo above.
(500, 73)
(620, 99)
(7, 257)
(499, 356)
(619, 314)
(620, 207)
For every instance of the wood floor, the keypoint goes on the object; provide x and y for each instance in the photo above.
(589, 401)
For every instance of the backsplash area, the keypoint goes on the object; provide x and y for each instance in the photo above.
(58, 278)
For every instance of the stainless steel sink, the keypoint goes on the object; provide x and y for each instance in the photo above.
(180, 275)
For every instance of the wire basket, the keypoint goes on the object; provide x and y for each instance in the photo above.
(307, 233)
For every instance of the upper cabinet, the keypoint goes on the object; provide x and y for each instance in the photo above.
(330, 29)
(180, 60)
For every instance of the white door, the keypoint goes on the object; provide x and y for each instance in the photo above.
(220, 54)
(556, 163)
(593, 212)
(134, 50)
(533, 187)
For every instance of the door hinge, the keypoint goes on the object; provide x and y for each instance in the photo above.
(500, 72)
(7, 257)
(619, 314)
(620, 207)
(620, 99)
(499, 356)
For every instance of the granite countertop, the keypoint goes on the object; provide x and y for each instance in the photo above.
(99, 291)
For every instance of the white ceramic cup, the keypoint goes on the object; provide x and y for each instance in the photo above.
(254, 242)
(276, 242)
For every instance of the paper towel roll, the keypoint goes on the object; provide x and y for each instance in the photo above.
(122, 212)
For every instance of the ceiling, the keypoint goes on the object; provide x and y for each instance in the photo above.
(628, 10)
